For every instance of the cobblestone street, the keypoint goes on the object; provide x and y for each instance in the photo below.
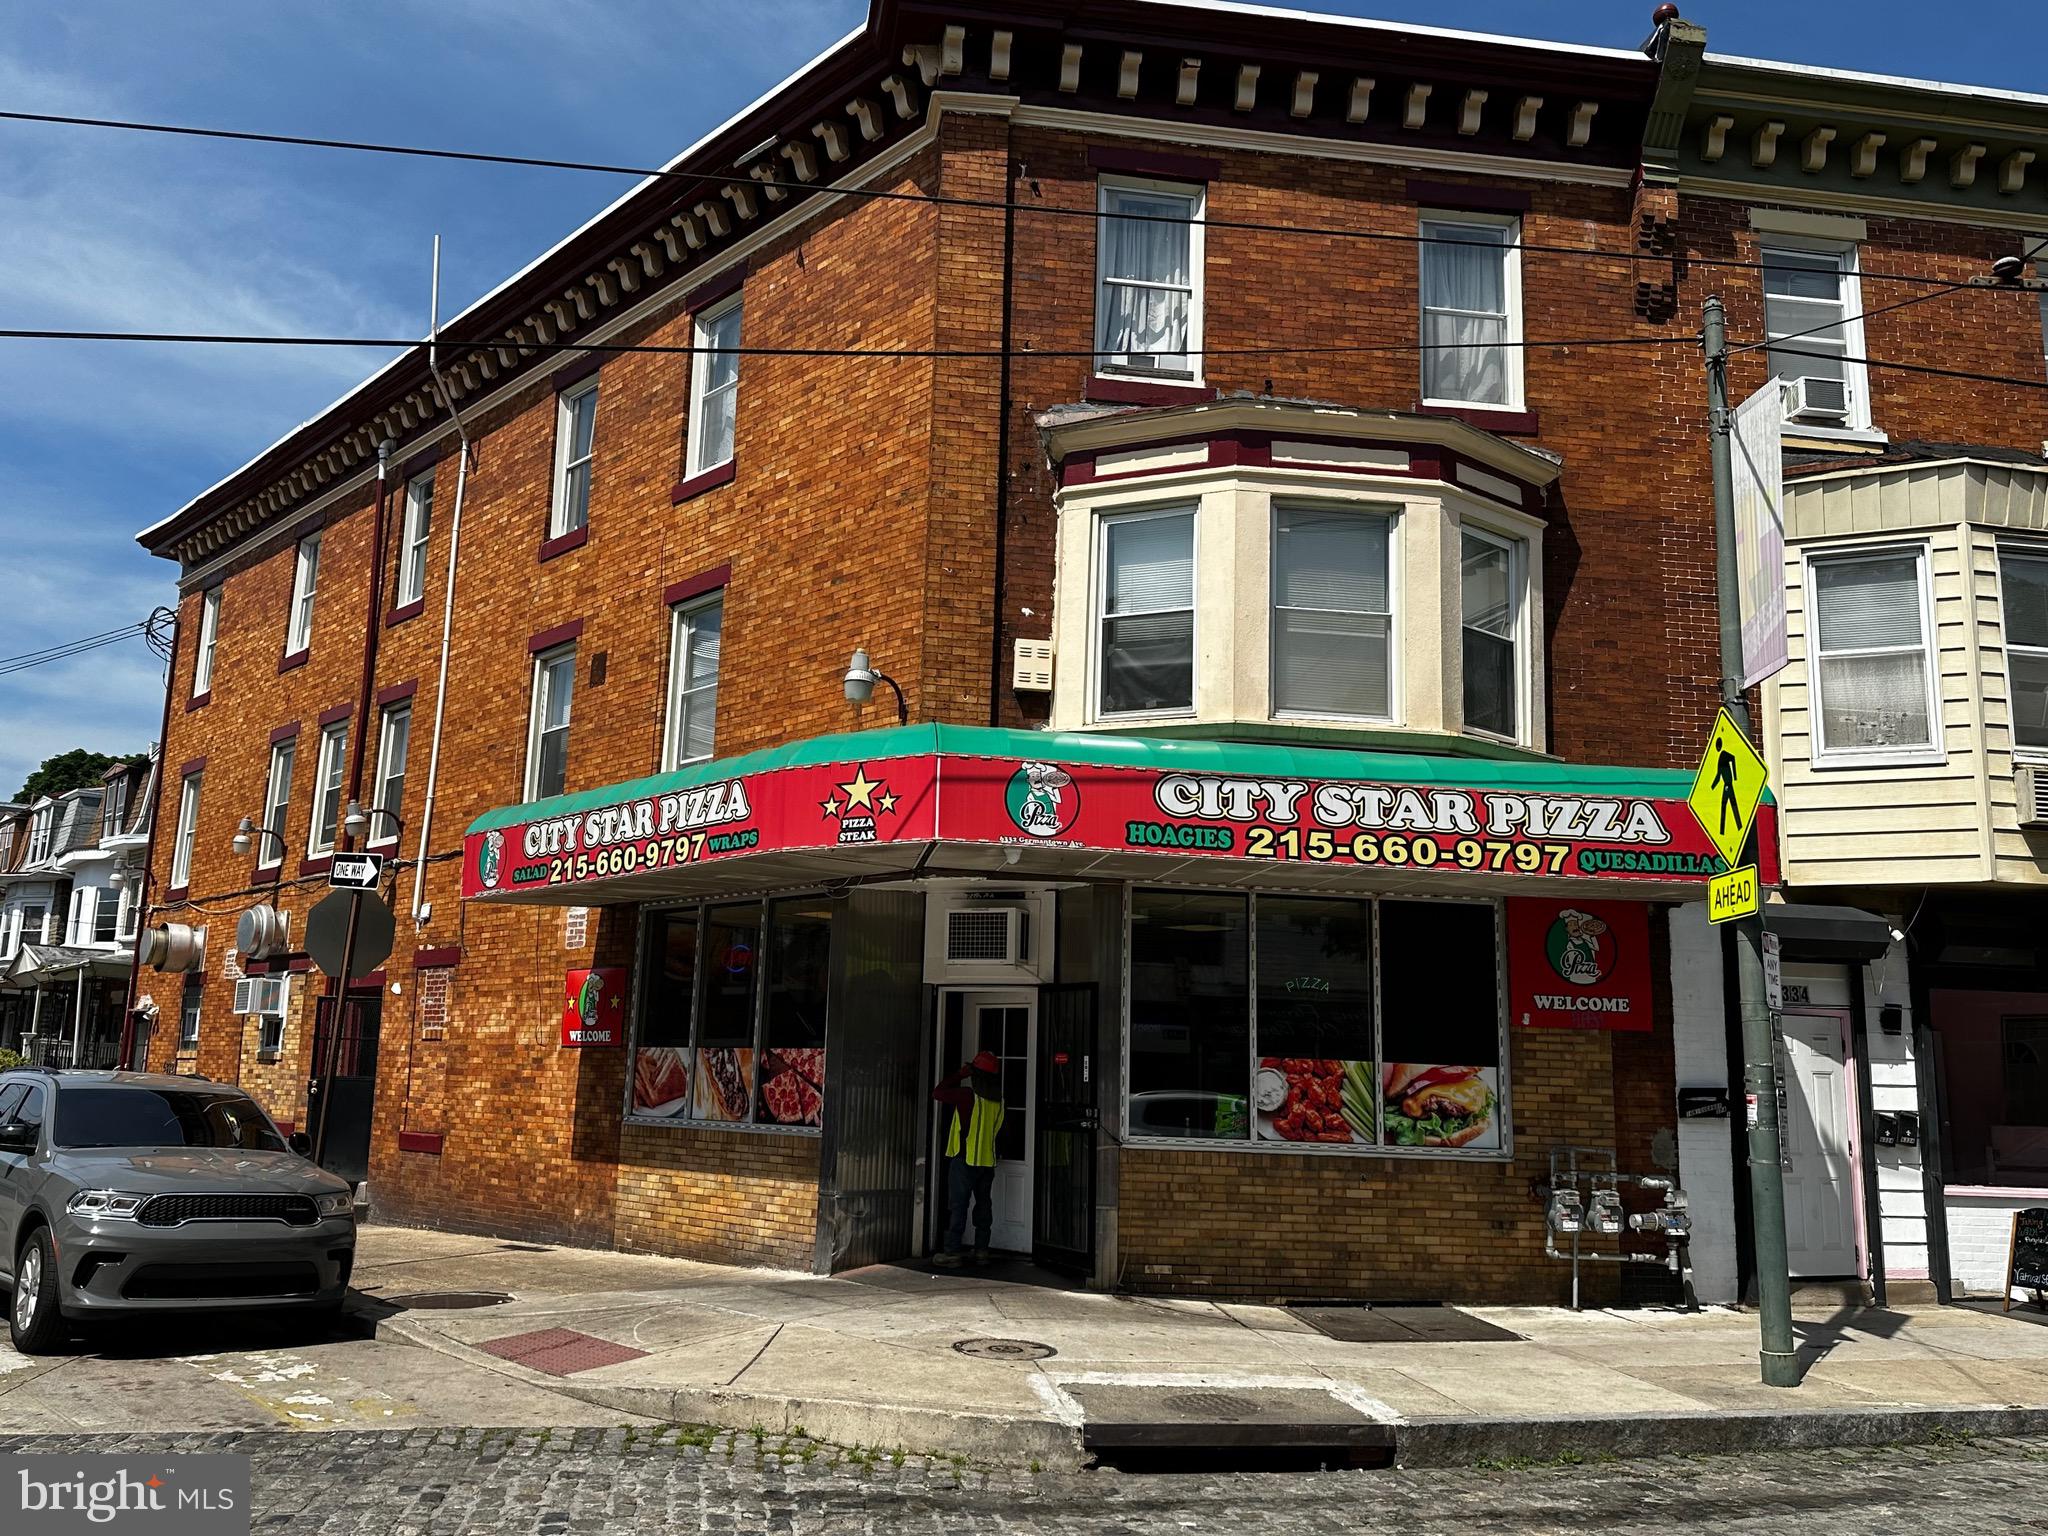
(554, 1483)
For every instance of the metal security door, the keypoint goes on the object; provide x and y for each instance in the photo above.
(350, 1094)
(1063, 1218)
(1820, 1176)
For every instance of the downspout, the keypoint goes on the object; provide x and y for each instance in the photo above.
(156, 792)
(995, 670)
(373, 623)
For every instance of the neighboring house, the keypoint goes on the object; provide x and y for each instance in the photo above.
(1291, 705)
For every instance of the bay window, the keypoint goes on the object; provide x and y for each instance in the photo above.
(277, 799)
(1332, 612)
(1148, 288)
(412, 544)
(305, 584)
(575, 438)
(714, 387)
(1489, 586)
(329, 769)
(547, 745)
(1811, 306)
(1872, 671)
(2023, 584)
(1471, 311)
(1147, 613)
(694, 630)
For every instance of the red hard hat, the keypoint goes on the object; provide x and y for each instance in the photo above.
(986, 1062)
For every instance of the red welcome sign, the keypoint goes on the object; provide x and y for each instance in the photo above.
(594, 1011)
(1577, 964)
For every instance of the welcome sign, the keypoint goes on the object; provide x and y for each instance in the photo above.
(1578, 964)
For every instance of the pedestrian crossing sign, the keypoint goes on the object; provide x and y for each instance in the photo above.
(1728, 787)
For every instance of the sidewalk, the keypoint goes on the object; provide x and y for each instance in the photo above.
(888, 1358)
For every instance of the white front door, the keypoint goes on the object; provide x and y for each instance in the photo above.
(1007, 1024)
(1820, 1145)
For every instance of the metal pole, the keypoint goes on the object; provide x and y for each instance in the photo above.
(1759, 1065)
(338, 994)
(78, 1017)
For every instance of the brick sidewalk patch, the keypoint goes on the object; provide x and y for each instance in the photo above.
(560, 1351)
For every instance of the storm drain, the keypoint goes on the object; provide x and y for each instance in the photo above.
(448, 1301)
(1005, 1349)
(1210, 1405)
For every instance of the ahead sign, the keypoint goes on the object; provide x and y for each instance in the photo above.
(356, 871)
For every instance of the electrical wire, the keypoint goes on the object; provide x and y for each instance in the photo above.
(1882, 309)
(71, 648)
(874, 194)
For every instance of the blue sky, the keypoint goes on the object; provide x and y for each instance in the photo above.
(101, 230)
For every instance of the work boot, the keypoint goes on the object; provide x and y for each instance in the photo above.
(982, 1255)
(946, 1260)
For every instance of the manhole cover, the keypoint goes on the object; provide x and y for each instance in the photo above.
(1005, 1349)
(448, 1301)
(1212, 1405)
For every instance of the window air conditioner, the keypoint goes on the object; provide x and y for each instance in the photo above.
(2030, 786)
(988, 936)
(1814, 399)
(262, 994)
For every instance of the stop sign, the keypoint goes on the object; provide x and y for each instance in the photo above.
(327, 932)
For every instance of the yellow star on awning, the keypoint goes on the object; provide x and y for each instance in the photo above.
(887, 804)
(830, 805)
(860, 790)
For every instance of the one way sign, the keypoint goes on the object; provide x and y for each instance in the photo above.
(356, 871)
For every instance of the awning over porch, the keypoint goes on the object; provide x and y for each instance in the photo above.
(47, 965)
(1051, 805)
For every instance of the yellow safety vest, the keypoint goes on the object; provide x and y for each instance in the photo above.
(981, 1133)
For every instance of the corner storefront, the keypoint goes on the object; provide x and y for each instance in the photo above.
(1274, 1020)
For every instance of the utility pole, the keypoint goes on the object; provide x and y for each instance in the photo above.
(1759, 1058)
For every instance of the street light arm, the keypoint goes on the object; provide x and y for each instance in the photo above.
(902, 708)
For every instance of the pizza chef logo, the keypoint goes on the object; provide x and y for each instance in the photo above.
(857, 805)
(1580, 948)
(490, 861)
(1042, 799)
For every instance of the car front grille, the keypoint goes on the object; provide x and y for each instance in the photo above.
(174, 1210)
(222, 1282)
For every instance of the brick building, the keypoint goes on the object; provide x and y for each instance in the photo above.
(1294, 720)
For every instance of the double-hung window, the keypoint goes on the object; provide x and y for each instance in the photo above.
(114, 808)
(277, 799)
(327, 777)
(106, 917)
(2023, 581)
(1146, 617)
(693, 680)
(547, 745)
(1872, 672)
(412, 548)
(575, 433)
(190, 1001)
(305, 583)
(41, 832)
(387, 800)
(1491, 596)
(1148, 284)
(1332, 612)
(188, 829)
(1812, 306)
(1471, 311)
(209, 638)
(714, 387)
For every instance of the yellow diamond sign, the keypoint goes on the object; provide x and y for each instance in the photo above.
(1726, 790)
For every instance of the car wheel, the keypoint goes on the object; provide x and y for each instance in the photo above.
(33, 1321)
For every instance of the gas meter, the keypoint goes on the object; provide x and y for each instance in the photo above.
(1567, 1211)
(1604, 1215)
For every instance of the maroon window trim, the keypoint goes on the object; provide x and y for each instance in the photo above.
(296, 658)
(429, 1142)
(1150, 162)
(548, 639)
(335, 714)
(1520, 423)
(1119, 391)
(441, 959)
(1456, 197)
(199, 701)
(724, 286)
(561, 544)
(571, 374)
(265, 874)
(318, 866)
(404, 611)
(397, 691)
(196, 765)
(284, 733)
(176, 893)
(697, 585)
(709, 480)
(420, 463)
(300, 963)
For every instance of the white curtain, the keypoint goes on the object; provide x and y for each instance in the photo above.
(1877, 698)
(1465, 314)
(1143, 306)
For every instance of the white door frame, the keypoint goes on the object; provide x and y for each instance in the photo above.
(1024, 1184)
(1851, 1121)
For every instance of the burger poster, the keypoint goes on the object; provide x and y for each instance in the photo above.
(594, 1012)
(1578, 964)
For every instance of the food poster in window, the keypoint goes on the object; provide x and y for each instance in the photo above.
(594, 1010)
(1440, 1025)
(1575, 964)
(1314, 1082)
(724, 1084)
(668, 975)
(792, 1065)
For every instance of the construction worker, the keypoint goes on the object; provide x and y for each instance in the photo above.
(975, 1093)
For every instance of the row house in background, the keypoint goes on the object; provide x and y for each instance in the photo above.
(1254, 464)
(71, 872)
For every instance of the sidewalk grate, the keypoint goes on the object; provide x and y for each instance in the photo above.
(1403, 1325)
(560, 1351)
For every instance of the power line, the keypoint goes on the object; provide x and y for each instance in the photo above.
(997, 205)
(1777, 342)
(71, 649)
(1926, 368)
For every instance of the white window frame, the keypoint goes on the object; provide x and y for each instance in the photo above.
(566, 403)
(113, 807)
(209, 640)
(1098, 617)
(681, 632)
(188, 830)
(190, 1042)
(536, 713)
(1847, 254)
(1106, 188)
(1825, 756)
(2022, 551)
(276, 802)
(696, 460)
(1511, 296)
(330, 767)
(418, 532)
(298, 634)
(42, 833)
(384, 829)
(1391, 515)
(1517, 547)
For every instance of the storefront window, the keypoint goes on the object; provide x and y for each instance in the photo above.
(1439, 1025)
(792, 1075)
(1315, 1080)
(668, 979)
(1190, 1015)
(1994, 1086)
(723, 1086)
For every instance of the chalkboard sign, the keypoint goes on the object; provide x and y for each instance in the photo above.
(2026, 1267)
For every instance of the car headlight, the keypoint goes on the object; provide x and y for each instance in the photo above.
(341, 1203)
(106, 1203)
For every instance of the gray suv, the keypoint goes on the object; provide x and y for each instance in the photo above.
(127, 1192)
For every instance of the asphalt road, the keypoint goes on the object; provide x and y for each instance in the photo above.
(564, 1482)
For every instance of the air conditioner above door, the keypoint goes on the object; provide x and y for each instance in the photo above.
(973, 937)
